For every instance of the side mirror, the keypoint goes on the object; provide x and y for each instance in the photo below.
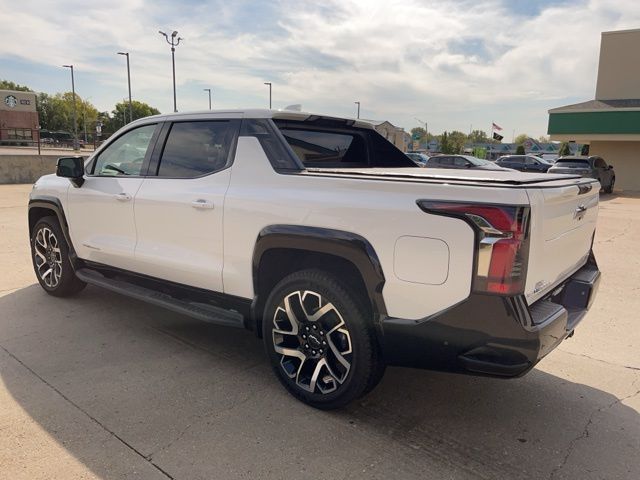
(610, 167)
(71, 168)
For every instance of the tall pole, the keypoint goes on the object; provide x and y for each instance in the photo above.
(208, 90)
(426, 130)
(174, 42)
(358, 114)
(269, 83)
(75, 114)
(129, 84)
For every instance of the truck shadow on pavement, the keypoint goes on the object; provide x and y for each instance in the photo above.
(130, 390)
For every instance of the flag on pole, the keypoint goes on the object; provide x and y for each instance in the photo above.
(497, 136)
(496, 127)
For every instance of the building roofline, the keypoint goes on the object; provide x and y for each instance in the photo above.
(631, 30)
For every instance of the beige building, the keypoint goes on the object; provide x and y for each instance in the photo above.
(610, 124)
(395, 135)
(18, 117)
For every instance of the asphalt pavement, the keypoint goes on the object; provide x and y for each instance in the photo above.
(102, 386)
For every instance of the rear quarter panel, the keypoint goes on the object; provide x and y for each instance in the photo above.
(383, 212)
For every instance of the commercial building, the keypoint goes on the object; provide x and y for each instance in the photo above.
(18, 117)
(395, 135)
(610, 123)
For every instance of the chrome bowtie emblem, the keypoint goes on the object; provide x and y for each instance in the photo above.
(579, 212)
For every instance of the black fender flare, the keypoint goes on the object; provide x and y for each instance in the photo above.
(53, 204)
(349, 246)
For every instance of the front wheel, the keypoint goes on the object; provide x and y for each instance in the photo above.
(320, 340)
(51, 262)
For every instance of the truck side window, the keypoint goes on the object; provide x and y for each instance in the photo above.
(196, 148)
(125, 155)
(326, 149)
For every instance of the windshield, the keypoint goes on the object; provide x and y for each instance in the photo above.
(477, 161)
(573, 163)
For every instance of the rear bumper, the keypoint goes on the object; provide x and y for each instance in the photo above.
(492, 335)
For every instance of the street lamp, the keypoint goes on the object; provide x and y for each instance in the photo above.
(426, 131)
(269, 83)
(129, 83)
(174, 43)
(358, 103)
(75, 115)
(208, 90)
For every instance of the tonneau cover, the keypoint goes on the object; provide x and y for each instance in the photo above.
(493, 177)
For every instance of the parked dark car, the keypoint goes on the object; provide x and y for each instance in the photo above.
(419, 158)
(524, 163)
(462, 161)
(593, 167)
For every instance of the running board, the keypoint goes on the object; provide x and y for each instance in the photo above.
(200, 311)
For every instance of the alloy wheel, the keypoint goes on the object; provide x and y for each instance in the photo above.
(48, 257)
(313, 342)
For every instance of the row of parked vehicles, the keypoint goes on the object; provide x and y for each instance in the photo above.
(585, 166)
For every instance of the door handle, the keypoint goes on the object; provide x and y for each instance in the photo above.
(202, 203)
(123, 197)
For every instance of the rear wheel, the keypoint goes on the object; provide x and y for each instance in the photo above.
(609, 189)
(51, 263)
(320, 341)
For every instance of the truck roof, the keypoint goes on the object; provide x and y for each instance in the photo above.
(254, 113)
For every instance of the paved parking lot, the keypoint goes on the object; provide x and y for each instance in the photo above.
(101, 386)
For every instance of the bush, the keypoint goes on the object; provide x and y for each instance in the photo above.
(520, 150)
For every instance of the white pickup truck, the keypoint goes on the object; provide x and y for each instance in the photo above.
(327, 241)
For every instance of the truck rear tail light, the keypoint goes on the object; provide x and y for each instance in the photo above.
(502, 242)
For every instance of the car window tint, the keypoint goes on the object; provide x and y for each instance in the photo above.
(193, 149)
(600, 163)
(316, 148)
(531, 161)
(125, 155)
(460, 162)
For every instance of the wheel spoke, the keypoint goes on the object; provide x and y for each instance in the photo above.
(313, 342)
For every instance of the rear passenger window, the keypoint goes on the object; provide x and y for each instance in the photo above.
(194, 149)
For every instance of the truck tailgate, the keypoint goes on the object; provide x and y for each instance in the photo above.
(563, 221)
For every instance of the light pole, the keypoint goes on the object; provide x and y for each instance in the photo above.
(75, 115)
(358, 103)
(269, 83)
(208, 90)
(426, 131)
(129, 83)
(174, 43)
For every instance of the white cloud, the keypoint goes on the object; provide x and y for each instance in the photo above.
(451, 62)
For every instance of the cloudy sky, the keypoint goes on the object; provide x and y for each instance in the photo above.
(451, 63)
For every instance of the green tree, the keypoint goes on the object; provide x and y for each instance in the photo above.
(9, 85)
(418, 134)
(457, 140)
(520, 139)
(445, 146)
(520, 150)
(564, 149)
(478, 136)
(120, 114)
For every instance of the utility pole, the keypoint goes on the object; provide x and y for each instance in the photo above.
(208, 90)
(75, 114)
(358, 114)
(174, 43)
(129, 83)
(269, 83)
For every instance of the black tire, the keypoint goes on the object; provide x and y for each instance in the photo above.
(343, 332)
(609, 189)
(50, 253)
